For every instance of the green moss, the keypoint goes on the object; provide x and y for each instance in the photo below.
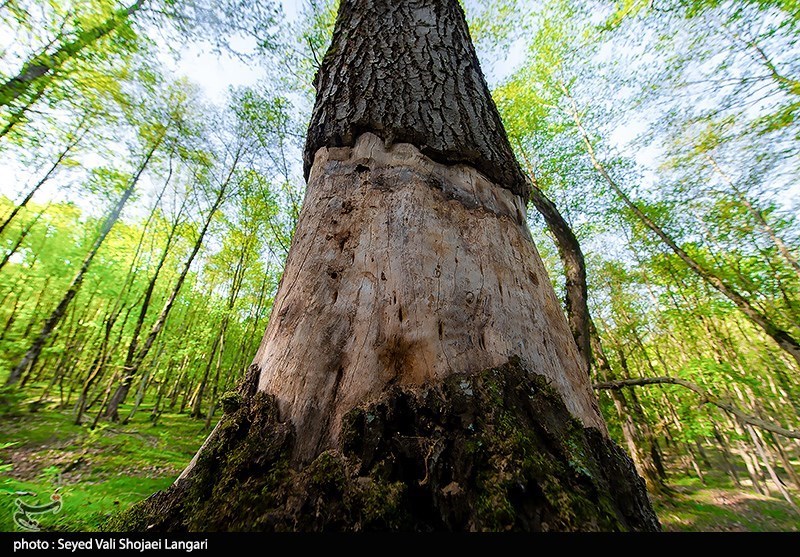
(496, 450)
(551, 460)
(327, 472)
(495, 511)
(231, 401)
(380, 503)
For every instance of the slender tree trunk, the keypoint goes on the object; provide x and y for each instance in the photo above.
(727, 460)
(46, 64)
(759, 217)
(73, 140)
(219, 341)
(751, 465)
(186, 399)
(10, 320)
(649, 438)
(636, 445)
(695, 466)
(143, 384)
(130, 370)
(639, 442)
(157, 410)
(95, 369)
(98, 367)
(768, 465)
(785, 461)
(105, 358)
(32, 355)
(702, 452)
(72, 346)
(781, 337)
(105, 395)
(36, 306)
(151, 285)
(197, 397)
(212, 405)
(176, 388)
(571, 255)
(21, 238)
(131, 355)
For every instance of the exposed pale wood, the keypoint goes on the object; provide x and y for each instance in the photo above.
(404, 271)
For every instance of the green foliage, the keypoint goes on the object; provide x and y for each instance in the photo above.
(710, 88)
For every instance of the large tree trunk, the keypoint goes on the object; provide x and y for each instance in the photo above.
(417, 355)
(427, 267)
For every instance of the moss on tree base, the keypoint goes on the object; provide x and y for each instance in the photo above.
(495, 450)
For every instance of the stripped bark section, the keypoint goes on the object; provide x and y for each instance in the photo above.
(405, 271)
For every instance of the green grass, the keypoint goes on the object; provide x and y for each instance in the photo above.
(719, 506)
(97, 472)
(85, 505)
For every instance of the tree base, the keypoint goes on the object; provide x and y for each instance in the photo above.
(494, 450)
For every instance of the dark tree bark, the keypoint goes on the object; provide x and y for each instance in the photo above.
(417, 372)
(407, 72)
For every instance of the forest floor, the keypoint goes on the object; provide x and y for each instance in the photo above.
(96, 472)
(719, 506)
(102, 471)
